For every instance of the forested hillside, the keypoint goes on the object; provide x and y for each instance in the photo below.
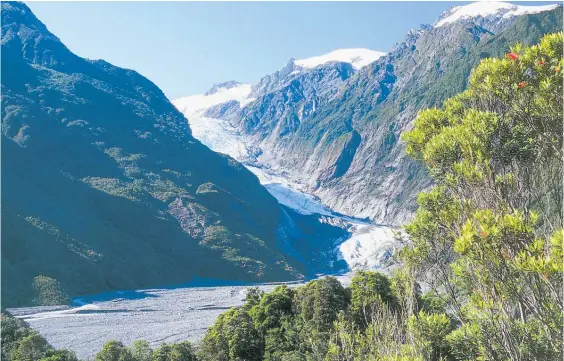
(104, 187)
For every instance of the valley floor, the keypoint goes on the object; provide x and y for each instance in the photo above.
(156, 315)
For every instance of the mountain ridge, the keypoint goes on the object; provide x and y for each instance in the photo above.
(329, 144)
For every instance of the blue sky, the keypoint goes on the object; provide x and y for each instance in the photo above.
(186, 47)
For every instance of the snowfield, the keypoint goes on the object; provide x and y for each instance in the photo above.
(369, 247)
(487, 9)
(220, 136)
(288, 193)
(358, 58)
(191, 104)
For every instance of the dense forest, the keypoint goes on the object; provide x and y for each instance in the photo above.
(481, 275)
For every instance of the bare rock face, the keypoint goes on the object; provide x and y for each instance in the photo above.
(289, 96)
(223, 110)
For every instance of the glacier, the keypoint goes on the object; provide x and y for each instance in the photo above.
(368, 246)
(489, 9)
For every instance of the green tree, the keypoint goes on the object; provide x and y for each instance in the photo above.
(233, 337)
(488, 236)
(431, 331)
(30, 348)
(318, 305)
(253, 297)
(59, 355)
(272, 308)
(13, 330)
(368, 290)
(114, 351)
(141, 351)
(175, 352)
(48, 291)
(320, 301)
(283, 342)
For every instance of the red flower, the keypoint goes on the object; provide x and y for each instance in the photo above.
(512, 56)
(522, 84)
(541, 62)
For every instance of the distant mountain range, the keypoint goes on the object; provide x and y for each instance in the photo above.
(335, 125)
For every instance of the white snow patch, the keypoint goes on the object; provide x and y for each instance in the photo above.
(369, 245)
(300, 202)
(489, 8)
(217, 134)
(358, 58)
(191, 104)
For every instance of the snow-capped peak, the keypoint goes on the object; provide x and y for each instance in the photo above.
(358, 58)
(218, 94)
(494, 9)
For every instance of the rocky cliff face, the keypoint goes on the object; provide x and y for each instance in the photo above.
(345, 145)
(289, 97)
(104, 186)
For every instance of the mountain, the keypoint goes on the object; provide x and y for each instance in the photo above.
(105, 188)
(491, 14)
(234, 95)
(355, 160)
(277, 112)
(219, 94)
(295, 68)
(358, 58)
(336, 130)
(273, 107)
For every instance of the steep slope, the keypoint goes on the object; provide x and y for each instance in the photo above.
(275, 116)
(348, 151)
(104, 186)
